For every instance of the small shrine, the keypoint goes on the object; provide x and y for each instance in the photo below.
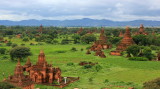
(19, 79)
(125, 42)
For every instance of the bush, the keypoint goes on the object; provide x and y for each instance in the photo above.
(25, 39)
(9, 43)
(154, 84)
(73, 49)
(14, 45)
(138, 59)
(87, 66)
(3, 50)
(70, 64)
(60, 51)
(22, 44)
(4, 85)
(4, 57)
(88, 47)
(65, 41)
(97, 68)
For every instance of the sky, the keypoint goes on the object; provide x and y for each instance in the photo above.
(116, 10)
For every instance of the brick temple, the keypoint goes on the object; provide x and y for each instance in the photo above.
(120, 34)
(40, 73)
(19, 79)
(40, 30)
(125, 42)
(141, 30)
(100, 44)
(80, 30)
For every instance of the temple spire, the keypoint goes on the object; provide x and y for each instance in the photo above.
(18, 70)
(41, 57)
(141, 29)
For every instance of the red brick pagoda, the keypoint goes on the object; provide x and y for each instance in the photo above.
(80, 30)
(40, 30)
(125, 42)
(120, 34)
(101, 43)
(141, 30)
(42, 72)
(19, 79)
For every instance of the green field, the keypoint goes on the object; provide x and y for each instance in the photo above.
(117, 70)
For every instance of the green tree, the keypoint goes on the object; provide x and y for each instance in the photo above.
(20, 52)
(141, 40)
(26, 39)
(3, 50)
(88, 38)
(76, 38)
(133, 49)
(147, 52)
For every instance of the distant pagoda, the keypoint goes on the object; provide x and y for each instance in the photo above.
(120, 34)
(40, 30)
(125, 42)
(80, 30)
(141, 30)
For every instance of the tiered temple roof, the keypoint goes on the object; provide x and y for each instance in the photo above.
(124, 43)
(19, 79)
(141, 30)
(120, 34)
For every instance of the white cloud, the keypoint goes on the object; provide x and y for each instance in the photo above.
(72, 9)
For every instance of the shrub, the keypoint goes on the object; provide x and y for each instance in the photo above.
(4, 85)
(25, 39)
(3, 50)
(88, 47)
(154, 84)
(65, 41)
(60, 51)
(70, 64)
(138, 58)
(97, 68)
(14, 45)
(9, 43)
(73, 49)
(106, 81)
(87, 66)
(22, 44)
(4, 57)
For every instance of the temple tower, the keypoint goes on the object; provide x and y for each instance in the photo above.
(126, 41)
(102, 36)
(141, 29)
(41, 58)
(18, 70)
(120, 34)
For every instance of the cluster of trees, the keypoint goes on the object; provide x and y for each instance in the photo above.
(139, 51)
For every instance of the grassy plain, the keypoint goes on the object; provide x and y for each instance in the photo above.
(116, 71)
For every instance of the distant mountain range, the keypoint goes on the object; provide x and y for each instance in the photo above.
(80, 22)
